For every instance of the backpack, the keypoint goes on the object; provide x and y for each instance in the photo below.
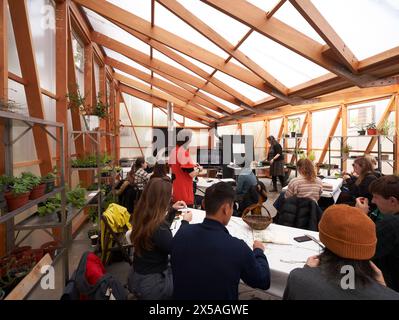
(257, 194)
(105, 288)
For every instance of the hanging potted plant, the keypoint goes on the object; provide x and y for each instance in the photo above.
(19, 194)
(371, 129)
(35, 183)
(385, 128)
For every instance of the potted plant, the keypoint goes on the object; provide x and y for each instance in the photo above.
(49, 180)
(77, 197)
(346, 149)
(19, 194)
(361, 132)
(51, 206)
(5, 183)
(35, 183)
(101, 109)
(371, 129)
(385, 128)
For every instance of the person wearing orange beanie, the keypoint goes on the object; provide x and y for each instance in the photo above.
(343, 271)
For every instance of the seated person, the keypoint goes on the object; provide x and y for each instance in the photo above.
(246, 180)
(161, 170)
(374, 164)
(207, 262)
(357, 184)
(141, 176)
(151, 277)
(350, 241)
(385, 193)
(128, 192)
(307, 185)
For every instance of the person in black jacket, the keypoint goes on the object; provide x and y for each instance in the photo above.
(151, 277)
(357, 184)
(276, 158)
(207, 262)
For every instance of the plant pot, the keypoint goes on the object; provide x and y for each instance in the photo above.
(94, 240)
(371, 132)
(299, 135)
(37, 191)
(16, 201)
(385, 157)
(50, 185)
(59, 217)
(293, 134)
(361, 132)
(92, 232)
(286, 136)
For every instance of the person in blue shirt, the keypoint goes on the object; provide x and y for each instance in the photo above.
(245, 181)
(207, 262)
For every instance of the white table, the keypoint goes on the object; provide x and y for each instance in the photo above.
(282, 258)
(237, 169)
(205, 183)
(336, 183)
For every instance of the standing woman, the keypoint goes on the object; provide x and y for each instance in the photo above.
(151, 276)
(276, 158)
(183, 169)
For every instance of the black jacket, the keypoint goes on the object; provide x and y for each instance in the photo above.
(301, 213)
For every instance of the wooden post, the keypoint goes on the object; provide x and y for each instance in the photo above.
(267, 131)
(26, 55)
(310, 133)
(117, 127)
(4, 96)
(61, 38)
(344, 122)
(103, 97)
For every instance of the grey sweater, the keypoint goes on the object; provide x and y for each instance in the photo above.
(310, 284)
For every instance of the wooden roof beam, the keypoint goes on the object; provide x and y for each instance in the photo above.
(309, 11)
(277, 6)
(161, 84)
(185, 15)
(156, 65)
(162, 95)
(116, 14)
(162, 103)
(285, 35)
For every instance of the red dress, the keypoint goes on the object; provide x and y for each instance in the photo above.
(183, 183)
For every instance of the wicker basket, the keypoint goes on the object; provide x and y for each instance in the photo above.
(256, 222)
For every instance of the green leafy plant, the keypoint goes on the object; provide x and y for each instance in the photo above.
(76, 100)
(346, 149)
(31, 179)
(77, 197)
(101, 108)
(6, 181)
(385, 127)
(93, 215)
(20, 186)
(50, 206)
(371, 126)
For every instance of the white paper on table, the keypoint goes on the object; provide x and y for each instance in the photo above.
(271, 237)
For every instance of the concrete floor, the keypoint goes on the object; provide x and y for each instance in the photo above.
(120, 270)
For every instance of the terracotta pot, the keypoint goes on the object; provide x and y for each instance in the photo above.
(16, 201)
(37, 191)
(371, 132)
(50, 185)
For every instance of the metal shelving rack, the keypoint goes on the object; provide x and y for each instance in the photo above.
(95, 138)
(296, 150)
(9, 218)
(344, 141)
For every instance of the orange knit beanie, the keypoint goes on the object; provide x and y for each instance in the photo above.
(348, 232)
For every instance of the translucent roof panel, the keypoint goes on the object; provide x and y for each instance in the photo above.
(213, 111)
(229, 28)
(289, 15)
(228, 104)
(117, 56)
(368, 27)
(199, 64)
(168, 21)
(141, 8)
(264, 5)
(114, 32)
(164, 79)
(285, 65)
(160, 56)
(243, 88)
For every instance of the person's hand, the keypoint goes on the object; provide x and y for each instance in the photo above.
(363, 204)
(188, 216)
(313, 261)
(346, 176)
(258, 245)
(271, 161)
(179, 205)
(378, 276)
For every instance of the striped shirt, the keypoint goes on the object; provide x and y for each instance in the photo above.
(303, 188)
(141, 178)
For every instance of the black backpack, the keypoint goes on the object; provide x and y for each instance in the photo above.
(106, 288)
